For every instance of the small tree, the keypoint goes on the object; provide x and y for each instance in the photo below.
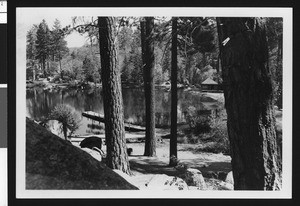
(67, 117)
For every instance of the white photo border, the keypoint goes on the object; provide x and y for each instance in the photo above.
(23, 14)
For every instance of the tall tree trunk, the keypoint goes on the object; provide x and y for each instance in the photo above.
(44, 67)
(173, 139)
(248, 92)
(112, 98)
(279, 71)
(59, 59)
(148, 69)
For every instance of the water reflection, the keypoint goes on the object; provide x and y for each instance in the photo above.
(39, 103)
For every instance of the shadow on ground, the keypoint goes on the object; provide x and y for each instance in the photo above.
(152, 165)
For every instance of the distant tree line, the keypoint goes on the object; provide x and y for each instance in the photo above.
(48, 55)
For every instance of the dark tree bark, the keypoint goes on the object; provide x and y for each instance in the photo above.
(173, 139)
(148, 70)
(60, 69)
(279, 71)
(65, 131)
(112, 98)
(248, 95)
(44, 67)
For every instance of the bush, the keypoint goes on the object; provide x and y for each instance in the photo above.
(199, 121)
(66, 116)
(216, 140)
(209, 131)
(39, 84)
(56, 79)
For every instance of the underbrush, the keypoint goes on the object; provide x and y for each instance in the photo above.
(208, 131)
(214, 141)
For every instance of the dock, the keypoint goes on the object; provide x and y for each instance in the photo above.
(128, 136)
(100, 118)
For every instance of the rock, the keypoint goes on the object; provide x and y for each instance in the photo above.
(211, 174)
(193, 177)
(193, 188)
(54, 126)
(229, 178)
(53, 163)
(165, 182)
(226, 186)
(93, 153)
(126, 177)
(129, 151)
(181, 167)
(222, 175)
(141, 180)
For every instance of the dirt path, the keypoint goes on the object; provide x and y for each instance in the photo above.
(207, 163)
(212, 166)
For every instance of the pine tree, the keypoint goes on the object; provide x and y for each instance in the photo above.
(31, 49)
(43, 48)
(58, 44)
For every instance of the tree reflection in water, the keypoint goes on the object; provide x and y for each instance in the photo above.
(39, 103)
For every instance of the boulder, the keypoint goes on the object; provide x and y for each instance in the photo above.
(211, 174)
(95, 154)
(128, 178)
(53, 163)
(226, 186)
(165, 182)
(55, 127)
(229, 178)
(193, 177)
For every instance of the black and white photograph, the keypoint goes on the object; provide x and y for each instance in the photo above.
(154, 102)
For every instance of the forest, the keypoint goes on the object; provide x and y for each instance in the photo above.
(167, 89)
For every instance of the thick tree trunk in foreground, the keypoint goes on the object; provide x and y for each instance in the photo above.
(249, 103)
(148, 69)
(173, 139)
(112, 98)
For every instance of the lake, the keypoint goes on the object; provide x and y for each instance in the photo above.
(39, 104)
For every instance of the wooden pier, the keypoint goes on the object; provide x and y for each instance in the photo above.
(138, 130)
(128, 136)
(100, 118)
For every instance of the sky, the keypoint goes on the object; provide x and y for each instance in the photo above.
(26, 17)
(25, 24)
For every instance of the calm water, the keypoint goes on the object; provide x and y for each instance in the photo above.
(39, 103)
